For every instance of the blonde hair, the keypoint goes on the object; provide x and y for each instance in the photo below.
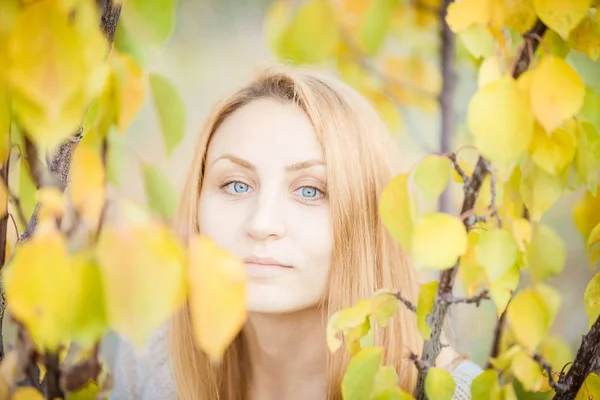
(356, 145)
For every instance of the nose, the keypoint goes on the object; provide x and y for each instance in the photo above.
(265, 220)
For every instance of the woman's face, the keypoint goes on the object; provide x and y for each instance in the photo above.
(264, 199)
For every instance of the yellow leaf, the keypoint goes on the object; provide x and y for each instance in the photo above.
(312, 35)
(438, 241)
(590, 390)
(501, 122)
(587, 159)
(131, 88)
(561, 16)
(501, 289)
(530, 315)
(485, 386)
(489, 71)
(473, 275)
(539, 190)
(553, 152)
(556, 351)
(556, 44)
(591, 298)
(478, 41)
(520, 15)
(432, 174)
(277, 19)
(52, 203)
(557, 92)
(51, 89)
(586, 37)
(528, 371)
(87, 185)
(547, 253)
(388, 110)
(139, 255)
(439, 384)
(27, 393)
(496, 252)
(4, 120)
(359, 379)
(463, 14)
(384, 306)
(415, 70)
(89, 323)
(386, 379)
(586, 214)
(42, 304)
(521, 230)
(217, 295)
(397, 210)
(424, 307)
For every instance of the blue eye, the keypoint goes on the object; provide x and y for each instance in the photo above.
(309, 193)
(237, 187)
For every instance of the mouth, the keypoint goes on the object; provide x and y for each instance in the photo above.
(265, 262)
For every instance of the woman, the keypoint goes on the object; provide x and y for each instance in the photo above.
(287, 175)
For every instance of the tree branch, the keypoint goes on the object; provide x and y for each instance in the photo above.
(559, 388)
(449, 298)
(406, 302)
(446, 98)
(436, 318)
(586, 360)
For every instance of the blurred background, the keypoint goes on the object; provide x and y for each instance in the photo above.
(217, 45)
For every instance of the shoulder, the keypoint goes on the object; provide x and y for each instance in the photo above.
(463, 374)
(144, 374)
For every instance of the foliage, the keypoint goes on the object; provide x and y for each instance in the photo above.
(533, 120)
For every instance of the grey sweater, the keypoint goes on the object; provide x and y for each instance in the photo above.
(147, 375)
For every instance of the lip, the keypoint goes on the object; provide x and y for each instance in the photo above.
(266, 261)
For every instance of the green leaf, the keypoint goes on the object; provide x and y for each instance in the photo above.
(439, 239)
(397, 208)
(376, 24)
(485, 386)
(359, 380)
(424, 307)
(160, 194)
(432, 175)
(386, 379)
(150, 21)
(170, 109)
(312, 36)
(591, 105)
(439, 384)
(527, 371)
(590, 390)
(591, 298)
(394, 394)
(384, 306)
(587, 158)
(496, 252)
(115, 163)
(547, 252)
(27, 189)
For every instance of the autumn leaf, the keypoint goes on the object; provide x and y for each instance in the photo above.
(501, 123)
(586, 36)
(531, 313)
(346, 320)
(424, 307)
(485, 386)
(136, 254)
(528, 371)
(432, 174)
(587, 159)
(87, 186)
(539, 190)
(397, 209)
(359, 379)
(217, 295)
(520, 15)
(496, 252)
(170, 109)
(547, 252)
(438, 241)
(591, 298)
(561, 16)
(43, 305)
(553, 152)
(502, 289)
(557, 92)
(439, 384)
(131, 88)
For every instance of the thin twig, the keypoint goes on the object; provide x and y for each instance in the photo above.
(422, 366)
(451, 299)
(458, 168)
(558, 388)
(493, 183)
(17, 204)
(406, 302)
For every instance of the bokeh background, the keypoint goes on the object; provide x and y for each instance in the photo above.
(217, 45)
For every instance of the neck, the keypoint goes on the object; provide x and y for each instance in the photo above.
(288, 355)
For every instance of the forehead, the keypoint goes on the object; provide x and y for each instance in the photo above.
(267, 130)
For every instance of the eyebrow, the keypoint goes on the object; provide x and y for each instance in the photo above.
(290, 168)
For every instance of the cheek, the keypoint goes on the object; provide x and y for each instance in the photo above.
(216, 222)
(315, 237)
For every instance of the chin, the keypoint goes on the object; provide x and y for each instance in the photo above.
(279, 303)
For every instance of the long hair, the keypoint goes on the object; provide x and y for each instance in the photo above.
(359, 157)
